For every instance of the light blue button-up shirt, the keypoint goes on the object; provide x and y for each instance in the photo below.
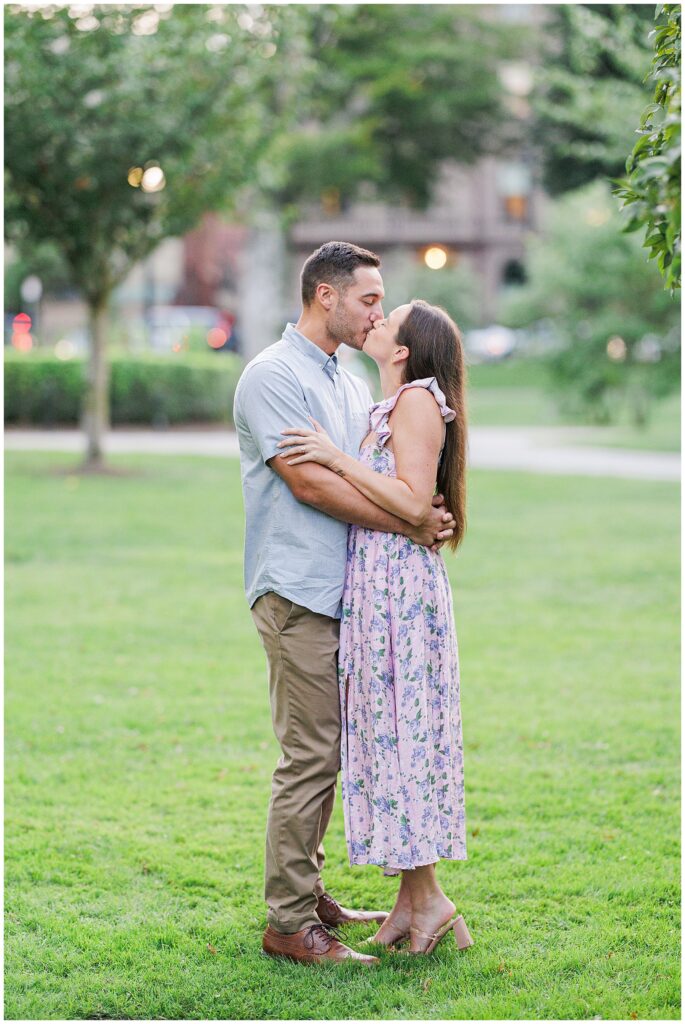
(290, 547)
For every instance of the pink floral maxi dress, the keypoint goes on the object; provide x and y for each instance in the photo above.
(402, 760)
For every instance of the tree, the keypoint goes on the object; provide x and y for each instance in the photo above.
(590, 91)
(388, 93)
(243, 105)
(652, 186)
(618, 327)
(103, 105)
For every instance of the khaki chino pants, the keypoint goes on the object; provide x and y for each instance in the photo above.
(302, 652)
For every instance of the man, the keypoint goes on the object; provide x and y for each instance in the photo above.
(295, 551)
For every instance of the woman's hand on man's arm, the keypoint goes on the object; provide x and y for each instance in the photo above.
(317, 486)
(417, 436)
(417, 427)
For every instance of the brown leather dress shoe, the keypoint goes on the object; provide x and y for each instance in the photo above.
(331, 913)
(313, 945)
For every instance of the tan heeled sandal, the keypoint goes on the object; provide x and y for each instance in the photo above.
(456, 924)
(373, 941)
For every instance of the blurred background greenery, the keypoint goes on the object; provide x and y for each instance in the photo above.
(169, 167)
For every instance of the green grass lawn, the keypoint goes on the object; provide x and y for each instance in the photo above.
(513, 407)
(139, 752)
(512, 393)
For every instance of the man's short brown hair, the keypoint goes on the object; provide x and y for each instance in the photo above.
(334, 263)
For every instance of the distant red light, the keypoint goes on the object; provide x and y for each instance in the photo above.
(21, 323)
(216, 338)
(22, 340)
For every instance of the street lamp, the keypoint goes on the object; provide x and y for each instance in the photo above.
(435, 257)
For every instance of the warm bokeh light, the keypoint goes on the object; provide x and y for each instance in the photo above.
(216, 338)
(516, 207)
(135, 176)
(65, 349)
(616, 349)
(153, 179)
(435, 258)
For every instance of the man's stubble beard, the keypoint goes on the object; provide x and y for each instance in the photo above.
(340, 331)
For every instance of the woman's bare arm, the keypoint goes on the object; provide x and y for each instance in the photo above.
(417, 438)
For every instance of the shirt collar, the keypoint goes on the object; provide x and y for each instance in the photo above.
(329, 364)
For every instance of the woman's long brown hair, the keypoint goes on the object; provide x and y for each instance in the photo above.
(436, 350)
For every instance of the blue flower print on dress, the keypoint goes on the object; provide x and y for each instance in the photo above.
(402, 760)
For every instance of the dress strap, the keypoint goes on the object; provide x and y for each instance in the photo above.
(381, 410)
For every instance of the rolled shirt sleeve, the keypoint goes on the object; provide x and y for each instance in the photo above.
(270, 399)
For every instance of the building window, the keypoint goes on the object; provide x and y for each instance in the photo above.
(513, 273)
(514, 187)
(515, 208)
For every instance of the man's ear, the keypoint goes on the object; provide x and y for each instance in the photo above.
(326, 295)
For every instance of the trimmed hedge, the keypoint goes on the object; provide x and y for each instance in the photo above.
(158, 390)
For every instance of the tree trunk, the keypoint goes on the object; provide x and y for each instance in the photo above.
(96, 402)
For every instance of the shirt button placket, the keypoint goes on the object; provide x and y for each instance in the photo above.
(340, 406)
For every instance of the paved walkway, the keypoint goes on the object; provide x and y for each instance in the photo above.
(556, 450)
(531, 449)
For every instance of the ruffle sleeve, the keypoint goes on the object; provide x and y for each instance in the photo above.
(380, 412)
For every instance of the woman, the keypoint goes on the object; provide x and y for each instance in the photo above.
(402, 765)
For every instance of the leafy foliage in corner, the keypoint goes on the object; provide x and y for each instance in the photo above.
(652, 187)
(87, 97)
(590, 91)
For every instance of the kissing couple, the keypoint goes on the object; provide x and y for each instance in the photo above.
(350, 596)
